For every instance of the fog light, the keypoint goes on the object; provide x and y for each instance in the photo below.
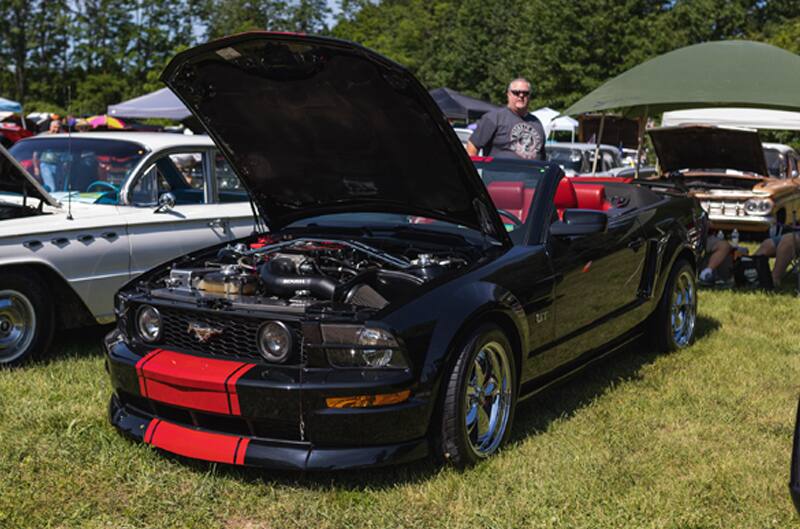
(148, 323)
(368, 401)
(274, 341)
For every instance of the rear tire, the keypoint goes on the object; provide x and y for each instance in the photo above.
(673, 323)
(26, 318)
(480, 394)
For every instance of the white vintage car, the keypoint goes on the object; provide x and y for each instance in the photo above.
(82, 214)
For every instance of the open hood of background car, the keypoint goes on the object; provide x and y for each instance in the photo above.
(314, 126)
(706, 147)
(15, 179)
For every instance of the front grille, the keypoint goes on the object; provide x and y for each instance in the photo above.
(728, 208)
(264, 428)
(237, 340)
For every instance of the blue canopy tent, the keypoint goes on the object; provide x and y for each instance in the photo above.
(159, 104)
(6, 105)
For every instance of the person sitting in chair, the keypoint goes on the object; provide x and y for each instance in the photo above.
(720, 261)
(784, 249)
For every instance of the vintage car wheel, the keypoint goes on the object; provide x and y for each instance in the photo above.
(676, 316)
(26, 319)
(479, 399)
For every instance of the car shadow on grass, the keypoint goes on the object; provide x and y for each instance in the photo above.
(533, 417)
(537, 413)
(84, 342)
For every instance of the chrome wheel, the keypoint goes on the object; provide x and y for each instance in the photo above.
(17, 325)
(488, 399)
(683, 308)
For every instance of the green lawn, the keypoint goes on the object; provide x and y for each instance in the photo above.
(695, 439)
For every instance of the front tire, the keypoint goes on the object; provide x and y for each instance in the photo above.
(479, 400)
(26, 319)
(673, 323)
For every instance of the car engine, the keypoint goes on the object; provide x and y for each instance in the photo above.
(309, 270)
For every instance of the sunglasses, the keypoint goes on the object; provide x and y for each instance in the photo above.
(520, 93)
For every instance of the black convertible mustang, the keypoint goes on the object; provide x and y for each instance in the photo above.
(403, 302)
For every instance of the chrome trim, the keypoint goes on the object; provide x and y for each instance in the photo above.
(487, 399)
(17, 325)
(683, 309)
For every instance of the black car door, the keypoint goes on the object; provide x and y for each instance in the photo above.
(597, 283)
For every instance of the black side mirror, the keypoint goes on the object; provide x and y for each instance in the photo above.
(579, 222)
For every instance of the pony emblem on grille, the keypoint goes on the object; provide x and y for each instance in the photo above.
(203, 332)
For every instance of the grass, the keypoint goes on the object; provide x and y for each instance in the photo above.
(696, 439)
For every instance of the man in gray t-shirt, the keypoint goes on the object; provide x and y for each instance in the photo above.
(510, 131)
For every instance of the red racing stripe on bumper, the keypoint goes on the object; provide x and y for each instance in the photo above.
(215, 447)
(193, 382)
(139, 369)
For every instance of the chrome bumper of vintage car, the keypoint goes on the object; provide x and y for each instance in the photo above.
(251, 414)
(744, 222)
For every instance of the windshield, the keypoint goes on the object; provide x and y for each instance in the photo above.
(512, 186)
(776, 163)
(93, 170)
(569, 159)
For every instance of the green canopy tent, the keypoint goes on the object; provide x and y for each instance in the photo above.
(733, 73)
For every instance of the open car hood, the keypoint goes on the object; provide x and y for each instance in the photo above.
(314, 126)
(15, 179)
(707, 147)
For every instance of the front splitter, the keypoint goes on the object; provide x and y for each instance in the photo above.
(196, 443)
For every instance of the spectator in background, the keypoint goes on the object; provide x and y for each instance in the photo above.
(81, 125)
(720, 261)
(55, 126)
(510, 131)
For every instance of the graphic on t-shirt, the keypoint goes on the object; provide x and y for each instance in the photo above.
(525, 140)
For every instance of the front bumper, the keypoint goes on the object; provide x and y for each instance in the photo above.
(259, 415)
(754, 223)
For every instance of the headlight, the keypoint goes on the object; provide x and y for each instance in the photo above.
(758, 206)
(274, 341)
(363, 347)
(148, 323)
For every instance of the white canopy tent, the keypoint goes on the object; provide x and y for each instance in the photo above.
(552, 122)
(754, 118)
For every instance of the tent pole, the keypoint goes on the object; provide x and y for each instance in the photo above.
(597, 147)
(642, 126)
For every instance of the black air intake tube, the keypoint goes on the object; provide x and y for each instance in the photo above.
(280, 278)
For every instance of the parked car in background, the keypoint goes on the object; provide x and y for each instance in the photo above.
(782, 160)
(463, 135)
(81, 215)
(11, 129)
(351, 336)
(726, 169)
(577, 158)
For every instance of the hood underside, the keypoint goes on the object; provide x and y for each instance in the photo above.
(15, 179)
(706, 147)
(315, 126)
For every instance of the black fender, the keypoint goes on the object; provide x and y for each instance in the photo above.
(450, 317)
(676, 248)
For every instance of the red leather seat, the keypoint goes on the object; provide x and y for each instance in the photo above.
(591, 197)
(565, 198)
(509, 196)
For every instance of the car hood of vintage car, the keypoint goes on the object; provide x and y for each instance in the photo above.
(315, 126)
(707, 147)
(15, 179)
